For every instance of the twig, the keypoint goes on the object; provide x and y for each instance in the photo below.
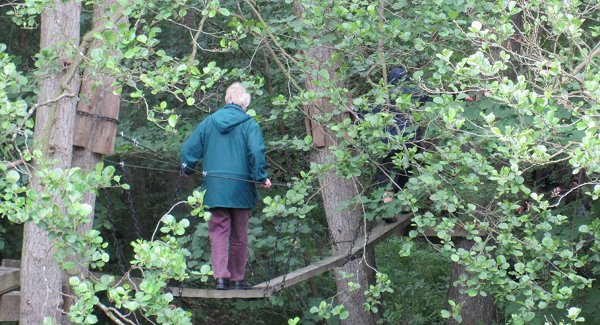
(110, 312)
(258, 15)
(195, 39)
(275, 57)
(13, 164)
(569, 191)
(38, 105)
(159, 221)
(587, 60)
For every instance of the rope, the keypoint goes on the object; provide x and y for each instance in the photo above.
(116, 163)
(205, 174)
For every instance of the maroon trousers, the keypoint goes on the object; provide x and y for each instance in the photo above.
(228, 233)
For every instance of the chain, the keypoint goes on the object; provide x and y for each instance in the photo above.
(130, 203)
(99, 117)
(289, 257)
(113, 232)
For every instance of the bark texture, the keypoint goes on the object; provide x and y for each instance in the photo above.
(41, 285)
(97, 88)
(345, 225)
(99, 98)
(476, 310)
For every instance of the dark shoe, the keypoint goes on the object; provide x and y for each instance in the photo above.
(240, 285)
(222, 284)
(389, 220)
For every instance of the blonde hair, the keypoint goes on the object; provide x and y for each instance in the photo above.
(237, 94)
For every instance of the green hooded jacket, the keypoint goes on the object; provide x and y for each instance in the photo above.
(230, 144)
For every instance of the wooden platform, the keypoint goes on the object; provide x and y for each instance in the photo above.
(9, 299)
(9, 279)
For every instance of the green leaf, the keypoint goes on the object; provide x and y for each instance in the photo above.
(547, 242)
(173, 120)
(190, 101)
(12, 176)
(475, 26)
(446, 314)
(97, 54)
(519, 267)
(453, 14)
(73, 281)
(91, 319)
(224, 11)
(168, 219)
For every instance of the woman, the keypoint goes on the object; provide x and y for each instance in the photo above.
(230, 144)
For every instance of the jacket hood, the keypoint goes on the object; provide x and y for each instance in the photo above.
(228, 117)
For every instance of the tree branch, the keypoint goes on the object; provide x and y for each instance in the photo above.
(195, 39)
(277, 60)
(587, 60)
(13, 164)
(110, 312)
(35, 107)
(271, 36)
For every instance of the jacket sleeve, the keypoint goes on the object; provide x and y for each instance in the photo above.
(256, 153)
(192, 150)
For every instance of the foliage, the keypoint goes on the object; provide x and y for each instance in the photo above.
(517, 169)
(420, 282)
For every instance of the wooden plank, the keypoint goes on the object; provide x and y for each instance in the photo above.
(267, 288)
(377, 234)
(219, 294)
(9, 306)
(9, 279)
(458, 232)
(11, 263)
(96, 133)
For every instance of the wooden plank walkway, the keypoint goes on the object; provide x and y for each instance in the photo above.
(266, 289)
(9, 276)
(376, 235)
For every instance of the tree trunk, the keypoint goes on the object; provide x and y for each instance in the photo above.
(97, 92)
(41, 285)
(345, 225)
(475, 310)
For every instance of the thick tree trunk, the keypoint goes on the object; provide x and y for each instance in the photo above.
(41, 285)
(98, 94)
(345, 225)
(476, 310)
